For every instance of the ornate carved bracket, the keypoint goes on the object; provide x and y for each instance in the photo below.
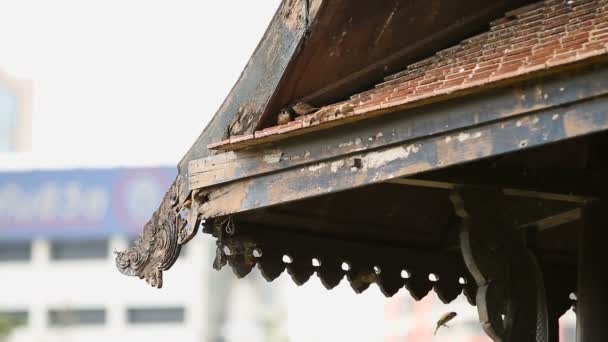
(390, 267)
(157, 248)
(511, 299)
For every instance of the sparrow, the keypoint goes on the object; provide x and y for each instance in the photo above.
(444, 319)
(303, 108)
(283, 117)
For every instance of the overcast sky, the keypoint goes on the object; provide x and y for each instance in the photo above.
(124, 82)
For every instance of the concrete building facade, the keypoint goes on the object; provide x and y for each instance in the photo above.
(58, 231)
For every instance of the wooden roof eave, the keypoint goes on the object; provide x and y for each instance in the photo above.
(405, 143)
(259, 80)
(399, 149)
(301, 37)
(376, 158)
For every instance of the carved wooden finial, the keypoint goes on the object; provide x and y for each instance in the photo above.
(158, 246)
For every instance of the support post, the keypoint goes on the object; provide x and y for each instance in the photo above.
(511, 299)
(592, 294)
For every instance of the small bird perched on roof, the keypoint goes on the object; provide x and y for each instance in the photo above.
(444, 319)
(283, 117)
(303, 108)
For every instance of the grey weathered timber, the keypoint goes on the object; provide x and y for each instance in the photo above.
(258, 82)
(592, 295)
(406, 143)
(404, 125)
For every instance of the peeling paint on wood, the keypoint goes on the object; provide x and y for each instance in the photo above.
(413, 157)
(273, 157)
(379, 159)
(256, 85)
(476, 144)
(447, 118)
(576, 124)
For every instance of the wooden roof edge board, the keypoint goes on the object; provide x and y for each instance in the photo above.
(446, 94)
(260, 77)
(408, 125)
(408, 158)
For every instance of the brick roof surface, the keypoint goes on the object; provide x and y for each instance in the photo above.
(531, 39)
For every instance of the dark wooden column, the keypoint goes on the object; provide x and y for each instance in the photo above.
(592, 306)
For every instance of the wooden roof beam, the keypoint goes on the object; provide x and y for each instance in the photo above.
(506, 120)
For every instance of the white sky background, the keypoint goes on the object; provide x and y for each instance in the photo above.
(124, 82)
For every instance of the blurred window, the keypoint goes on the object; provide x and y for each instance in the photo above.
(8, 119)
(15, 251)
(71, 317)
(14, 318)
(156, 315)
(79, 249)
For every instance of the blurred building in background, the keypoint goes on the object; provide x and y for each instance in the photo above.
(58, 231)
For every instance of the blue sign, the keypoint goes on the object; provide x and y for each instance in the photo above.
(80, 203)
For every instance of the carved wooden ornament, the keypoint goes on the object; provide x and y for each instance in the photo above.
(361, 264)
(157, 248)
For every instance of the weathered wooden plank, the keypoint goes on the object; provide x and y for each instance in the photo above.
(260, 79)
(405, 125)
(413, 156)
